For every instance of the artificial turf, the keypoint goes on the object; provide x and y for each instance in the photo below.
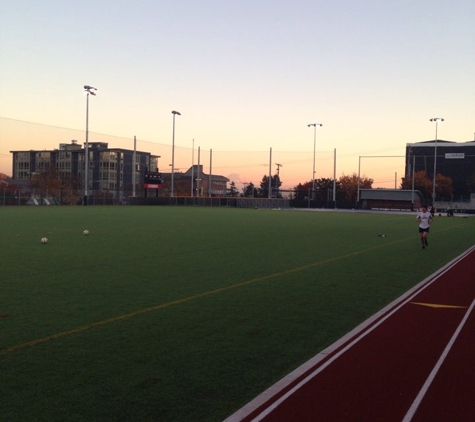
(186, 313)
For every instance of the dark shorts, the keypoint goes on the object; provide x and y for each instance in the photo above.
(421, 230)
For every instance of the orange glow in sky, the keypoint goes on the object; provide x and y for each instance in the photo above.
(245, 76)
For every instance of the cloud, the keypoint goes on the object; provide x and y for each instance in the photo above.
(234, 177)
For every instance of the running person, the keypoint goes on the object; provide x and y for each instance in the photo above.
(424, 217)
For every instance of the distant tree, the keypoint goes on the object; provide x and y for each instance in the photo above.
(348, 186)
(323, 188)
(275, 185)
(302, 191)
(3, 176)
(232, 190)
(443, 186)
(421, 183)
(250, 191)
(47, 182)
(70, 192)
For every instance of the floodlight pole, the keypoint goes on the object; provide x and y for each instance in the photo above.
(192, 169)
(412, 187)
(314, 149)
(172, 190)
(198, 177)
(436, 120)
(334, 177)
(134, 166)
(269, 194)
(88, 90)
(358, 182)
(210, 171)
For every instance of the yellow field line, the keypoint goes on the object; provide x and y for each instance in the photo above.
(437, 305)
(190, 298)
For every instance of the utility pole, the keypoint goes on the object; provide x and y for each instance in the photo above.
(278, 168)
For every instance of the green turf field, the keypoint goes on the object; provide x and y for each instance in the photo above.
(187, 313)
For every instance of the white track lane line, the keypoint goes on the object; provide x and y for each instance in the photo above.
(415, 405)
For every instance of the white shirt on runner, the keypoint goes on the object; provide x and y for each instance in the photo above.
(424, 218)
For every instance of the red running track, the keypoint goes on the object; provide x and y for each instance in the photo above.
(413, 361)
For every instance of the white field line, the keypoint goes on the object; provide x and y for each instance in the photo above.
(415, 405)
(357, 334)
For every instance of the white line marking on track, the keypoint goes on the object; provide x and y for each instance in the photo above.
(415, 405)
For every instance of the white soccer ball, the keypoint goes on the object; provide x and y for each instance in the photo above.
(85, 232)
(44, 240)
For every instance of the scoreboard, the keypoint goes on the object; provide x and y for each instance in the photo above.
(152, 180)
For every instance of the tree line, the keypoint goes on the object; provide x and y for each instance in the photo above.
(321, 190)
(346, 187)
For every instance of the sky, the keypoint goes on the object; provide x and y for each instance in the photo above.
(246, 76)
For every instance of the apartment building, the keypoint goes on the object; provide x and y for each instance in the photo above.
(110, 169)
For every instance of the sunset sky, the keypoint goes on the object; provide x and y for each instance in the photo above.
(245, 75)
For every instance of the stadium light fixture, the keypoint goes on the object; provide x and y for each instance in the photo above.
(92, 91)
(436, 120)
